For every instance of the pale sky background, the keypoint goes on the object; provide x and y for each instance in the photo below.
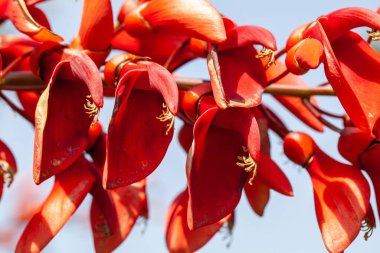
(288, 225)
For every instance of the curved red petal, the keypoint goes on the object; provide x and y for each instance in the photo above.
(196, 18)
(242, 78)
(369, 161)
(341, 196)
(159, 46)
(353, 79)
(270, 174)
(69, 190)
(137, 139)
(339, 22)
(215, 180)
(61, 132)
(258, 196)
(129, 203)
(24, 22)
(179, 238)
(241, 36)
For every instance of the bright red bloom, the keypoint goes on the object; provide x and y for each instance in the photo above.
(269, 176)
(193, 18)
(179, 238)
(21, 16)
(341, 193)
(237, 75)
(129, 203)
(65, 109)
(362, 150)
(224, 153)
(69, 190)
(141, 127)
(96, 30)
(350, 79)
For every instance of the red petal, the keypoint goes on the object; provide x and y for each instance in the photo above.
(241, 36)
(352, 80)
(160, 80)
(67, 194)
(61, 133)
(339, 22)
(96, 28)
(215, 181)
(129, 202)
(12, 48)
(352, 143)
(369, 161)
(179, 238)
(258, 196)
(28, 100)
(242, 78)
(270, 174)
(136, 139)
(24, 22)
(159, 46)
(306, 54)
(196, 18)
(185, 136)
(341, 195)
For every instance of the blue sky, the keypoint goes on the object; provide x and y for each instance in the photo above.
(288, 225)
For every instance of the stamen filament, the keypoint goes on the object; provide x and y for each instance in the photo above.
(367, 227)
(248, 164)
(267, 53)
(7, 171)
(166, 116)
(91, 109)
(374, 34)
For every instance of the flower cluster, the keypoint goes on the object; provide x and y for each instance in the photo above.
(225, 128)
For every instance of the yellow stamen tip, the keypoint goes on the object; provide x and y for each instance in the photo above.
(267, 53)
(7, 171)
(374, 34)
(90, 108)
(166, 115)
(248, 164)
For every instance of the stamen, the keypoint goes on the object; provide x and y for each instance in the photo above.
(367, 227)
(166, 115)
(91, 109)
(267, 53)
(7, 171)
(248, 164)
(374, 34)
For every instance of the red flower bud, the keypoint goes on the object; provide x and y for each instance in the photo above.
(298, 147)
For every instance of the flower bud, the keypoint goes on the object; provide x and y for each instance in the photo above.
(299, 148)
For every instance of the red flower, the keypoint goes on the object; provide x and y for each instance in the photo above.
(237, 75)
(193, 18)
(223, 155)
(21, 16)
(142, 123)
(179, 238)
(65, 109)
(341, 193)
(96, 30)
(69, 190)
(328, 39)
